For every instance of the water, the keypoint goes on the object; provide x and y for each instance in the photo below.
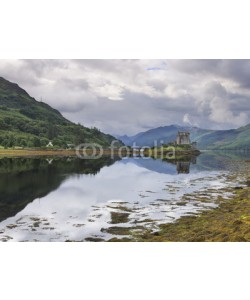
(61, 199)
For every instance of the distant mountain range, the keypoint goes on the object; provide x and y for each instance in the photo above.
(26, 122)
(206, 139)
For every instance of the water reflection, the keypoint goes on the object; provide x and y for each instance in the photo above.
(70, 199)
(24, 179)
(182, 167)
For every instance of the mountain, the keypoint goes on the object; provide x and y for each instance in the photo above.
(206, 139)
(28, 123)
(128, 140)
(165, 134)
(226, 139)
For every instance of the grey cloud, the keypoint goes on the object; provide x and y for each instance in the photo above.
(128, 96)
(42, 66)
(74, 84)
(195, 65)
(237, 70)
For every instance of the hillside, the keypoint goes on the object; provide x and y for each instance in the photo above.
(226, 139)
(26, 122)
(206, 139)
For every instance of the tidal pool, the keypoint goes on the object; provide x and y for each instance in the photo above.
(66, 199)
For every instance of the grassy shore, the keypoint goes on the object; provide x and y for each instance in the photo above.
(28, 153)
(178, 151)
(228, 222)
(72, 152)
(50, 152)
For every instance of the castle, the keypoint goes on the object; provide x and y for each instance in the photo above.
(183, 138)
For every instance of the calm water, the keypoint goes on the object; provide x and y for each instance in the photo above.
(69, 199)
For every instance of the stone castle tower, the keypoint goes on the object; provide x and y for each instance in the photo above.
(183, 138)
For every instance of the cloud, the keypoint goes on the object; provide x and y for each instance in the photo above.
(221, 113)
(219, 104)
(129, 96)
(153, 69)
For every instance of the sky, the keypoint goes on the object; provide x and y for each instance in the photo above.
(129, 96)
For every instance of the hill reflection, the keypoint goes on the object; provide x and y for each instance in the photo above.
(24, 179)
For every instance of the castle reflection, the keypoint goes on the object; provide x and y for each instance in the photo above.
(183, 167)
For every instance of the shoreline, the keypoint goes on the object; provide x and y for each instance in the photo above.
(72, 152)
(31, 153)
(228, 222)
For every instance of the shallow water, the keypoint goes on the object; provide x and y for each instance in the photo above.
(69, 199)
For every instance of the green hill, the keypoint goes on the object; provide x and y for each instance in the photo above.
(26, 122)
(226, 139)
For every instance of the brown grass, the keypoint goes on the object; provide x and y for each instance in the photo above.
(25, 152)
(31, 152)
(230, 222)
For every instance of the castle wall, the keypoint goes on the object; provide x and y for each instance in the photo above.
(183, 138)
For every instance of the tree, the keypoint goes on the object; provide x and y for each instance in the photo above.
(36, 142)
(23, 143)
(52, 131)
(30, 144)
(44, 142)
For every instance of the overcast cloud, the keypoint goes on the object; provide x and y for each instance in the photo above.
(129, 96)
